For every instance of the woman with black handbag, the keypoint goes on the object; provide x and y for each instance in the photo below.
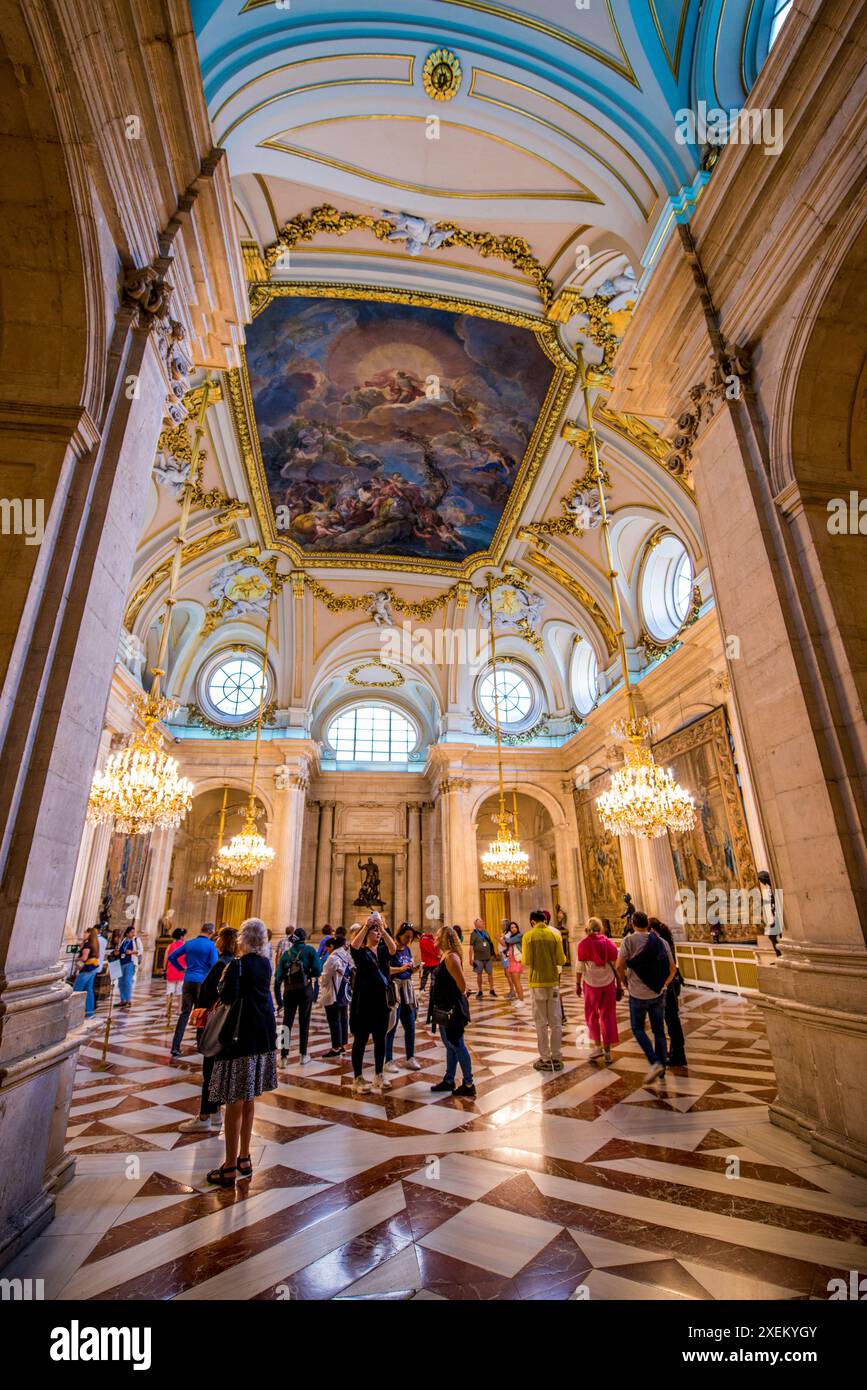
(374, 1001)
(208, 1120)
(449, 1014)
(246, 1063)
(673, 1025)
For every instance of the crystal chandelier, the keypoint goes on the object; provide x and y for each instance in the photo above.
(248, 854)
(643, 799)
(139, 788)
(504, 861)
(217, 879)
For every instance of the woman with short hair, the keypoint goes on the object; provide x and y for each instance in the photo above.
(246, 1064)
(449, 1014)
(597, 978)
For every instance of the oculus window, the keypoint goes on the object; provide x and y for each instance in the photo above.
(516, 699)
(232, 686)
(585, 677)
(666, 588)
(371, 734)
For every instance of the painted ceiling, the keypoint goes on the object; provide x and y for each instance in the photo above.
(391, 429)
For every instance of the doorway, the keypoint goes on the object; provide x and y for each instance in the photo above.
(495, 906)
(234, 907)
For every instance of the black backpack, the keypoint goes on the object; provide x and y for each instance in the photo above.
(297, 977)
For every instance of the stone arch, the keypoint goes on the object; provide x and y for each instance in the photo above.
(530, 789)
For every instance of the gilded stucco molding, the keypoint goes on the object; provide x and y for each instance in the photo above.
(212, 540)
(729, 375)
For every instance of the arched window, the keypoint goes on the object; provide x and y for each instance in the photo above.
(517, 701)
(585, 677)
(368, 733)
(778, 19)
(232, 686)
(666, 588)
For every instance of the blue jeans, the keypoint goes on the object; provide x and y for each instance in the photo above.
(457, 1052)
(86, 980)
(654, 1009)
(406, 1016)
(124, 985)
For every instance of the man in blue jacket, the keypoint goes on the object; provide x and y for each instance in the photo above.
(196, 958)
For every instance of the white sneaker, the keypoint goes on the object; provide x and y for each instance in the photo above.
(361, 1087)
(199, 1124)
(302, 1061)
(381, 1083)
(413, 1064)
(392, 1066)
(597, 1052)
(655, 1071)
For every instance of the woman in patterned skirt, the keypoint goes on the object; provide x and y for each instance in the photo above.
(246, 1064)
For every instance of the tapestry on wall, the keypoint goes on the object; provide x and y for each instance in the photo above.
(601, 864)
(717, 851)
(124, 876)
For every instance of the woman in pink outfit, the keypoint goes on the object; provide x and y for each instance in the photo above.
(596, 976)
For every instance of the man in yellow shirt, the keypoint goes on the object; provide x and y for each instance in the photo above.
(543, 955)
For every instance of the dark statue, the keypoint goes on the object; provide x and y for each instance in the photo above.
(369, 892)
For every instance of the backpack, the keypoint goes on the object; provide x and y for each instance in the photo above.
(343, 993)
(296, 977)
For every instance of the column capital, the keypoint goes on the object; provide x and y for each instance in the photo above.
(454, 784)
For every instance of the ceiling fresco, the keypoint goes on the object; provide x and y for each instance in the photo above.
(391, 429)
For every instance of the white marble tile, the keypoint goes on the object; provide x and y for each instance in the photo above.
(149, 1117)
(777, 1194)
(590, 1086)
(602, 1252)
(463, 1175)
(494, 1239)
(163, 1095)
(435, 1119)
(613, 1287)
(721, 1284)
(399, 1273)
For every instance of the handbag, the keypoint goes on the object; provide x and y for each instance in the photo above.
(199, 1017)
(212, 1041)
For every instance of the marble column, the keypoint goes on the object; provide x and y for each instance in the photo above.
(632, 875)
(460, 866)
(281, 882)
(659, 885)
(322, 899)
(413, 879)
(567, 880)
(91, 895)
(154, 891)
(399, 909)
(338, 880)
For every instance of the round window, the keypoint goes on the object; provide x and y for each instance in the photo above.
(233, 687)
(666, 588)
(513, 697)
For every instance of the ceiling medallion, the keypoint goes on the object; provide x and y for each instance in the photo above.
(396, 679)
(441, 75)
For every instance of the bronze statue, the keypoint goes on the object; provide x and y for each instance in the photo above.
(368, 893)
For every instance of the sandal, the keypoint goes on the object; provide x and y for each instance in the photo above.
(245, 1167)
(220, 1176)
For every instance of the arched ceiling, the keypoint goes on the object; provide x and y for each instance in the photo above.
(555, 164)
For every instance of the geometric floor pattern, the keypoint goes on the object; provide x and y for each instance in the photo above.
(547, 1186)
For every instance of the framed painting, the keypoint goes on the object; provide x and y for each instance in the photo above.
(124, 876)
(378, 424)
(601, 862)
(717, 851)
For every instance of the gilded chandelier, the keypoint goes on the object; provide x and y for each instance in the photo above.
(248, 854)
(643, 799)
(504, 861)
(139, 788)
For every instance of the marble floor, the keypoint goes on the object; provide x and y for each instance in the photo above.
(547, 1186)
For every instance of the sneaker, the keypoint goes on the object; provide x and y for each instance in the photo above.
(597, 1052)
(478, 994)
(655, 1071)
(361, 1087)
(381, 1083)
(302, 1061)
(466, 1089)
(557, 1064)
(607, 1055)
(543, 1066)
(493, 994)
(392, 1066)
(413, 1064)
(333, 1052)
(443, 1086)
(199, 1124)
(174, 1054)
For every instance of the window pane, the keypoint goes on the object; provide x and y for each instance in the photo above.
(371, 733)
